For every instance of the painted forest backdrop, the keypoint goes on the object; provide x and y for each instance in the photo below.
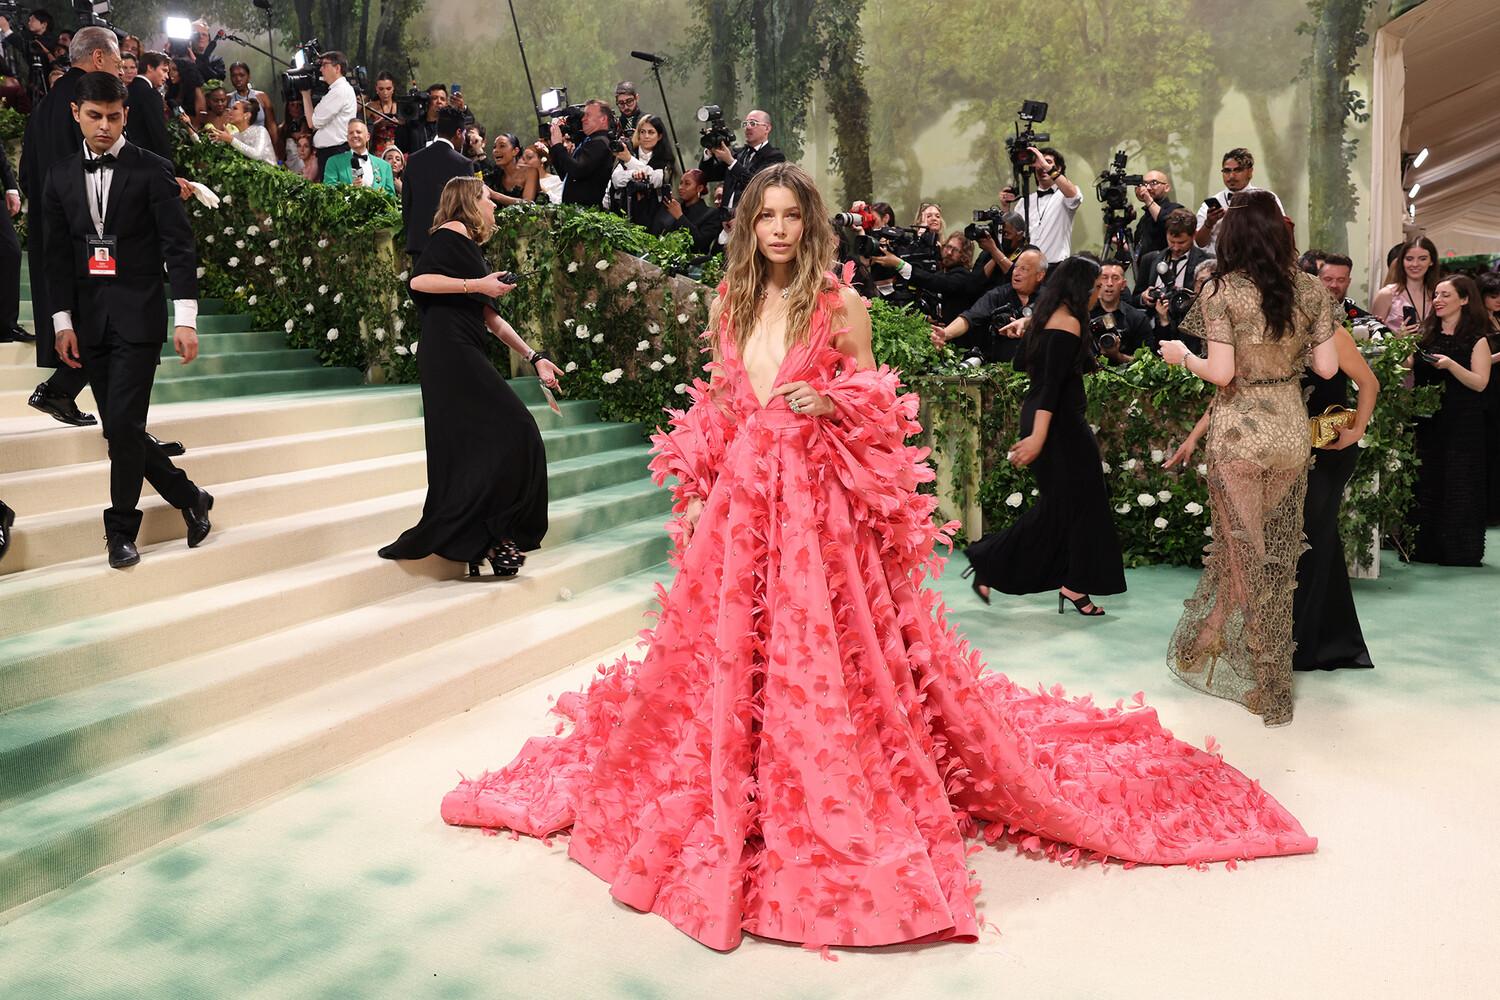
(909, 100)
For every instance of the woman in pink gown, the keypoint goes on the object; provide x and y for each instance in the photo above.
(806, 743)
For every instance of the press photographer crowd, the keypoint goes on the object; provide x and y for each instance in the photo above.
(322, 118)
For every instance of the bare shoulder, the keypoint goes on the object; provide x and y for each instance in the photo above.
(853, 314)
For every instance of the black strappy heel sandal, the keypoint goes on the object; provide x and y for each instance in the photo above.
(977, 592)
(506, 559)
(1079, 603)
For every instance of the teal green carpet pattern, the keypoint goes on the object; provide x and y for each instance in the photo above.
(350, 886)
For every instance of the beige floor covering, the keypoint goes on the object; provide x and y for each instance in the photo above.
(351, 886)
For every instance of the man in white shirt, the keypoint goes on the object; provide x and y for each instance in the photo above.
(334, 112)
(1052, 205)
(1239, 167)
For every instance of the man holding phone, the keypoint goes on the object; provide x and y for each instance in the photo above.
(1239, 168)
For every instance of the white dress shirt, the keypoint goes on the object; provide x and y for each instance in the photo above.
(1052, 222)
(332, 115)
(1213, 238)
(96, 186)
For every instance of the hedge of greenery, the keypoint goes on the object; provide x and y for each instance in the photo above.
(601, 296)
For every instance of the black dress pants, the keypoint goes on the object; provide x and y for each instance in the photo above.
(10, 273)
(121, 375)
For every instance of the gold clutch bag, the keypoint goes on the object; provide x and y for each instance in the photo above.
(1325, 425)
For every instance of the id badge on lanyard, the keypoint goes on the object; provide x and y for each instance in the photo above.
(102, 256)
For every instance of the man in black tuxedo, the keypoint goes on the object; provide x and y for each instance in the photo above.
(1125, 321)
(736, 168)
(10, 259)
(428, 171)
(114, 217)
(145, 111)
(586, 170)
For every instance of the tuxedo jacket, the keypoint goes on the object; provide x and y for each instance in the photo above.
(428, 171)
(585, 171)
(145, 213)
(1145, 272)
(51, 134)
(340, 170)
(7, 178)
(146, 119)
(736, 176)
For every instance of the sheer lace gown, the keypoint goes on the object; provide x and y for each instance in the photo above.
(1235, 637)
(807, 742)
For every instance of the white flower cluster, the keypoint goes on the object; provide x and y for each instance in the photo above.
(1014, 500)
(613, 376)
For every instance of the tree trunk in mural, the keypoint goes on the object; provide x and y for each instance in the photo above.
(724, 22)
(786, 57)
(848, 99)
(1279, 163)
(1338, 33)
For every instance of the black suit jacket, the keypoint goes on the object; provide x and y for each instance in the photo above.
(702, 220)
(585, 171)
(736, 176)
(1145, 272)
(145, 212)
(1151, 234)
(428, 171)
(7, 177)
(146, 119)
(51, 134)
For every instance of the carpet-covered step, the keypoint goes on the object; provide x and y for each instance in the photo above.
(70, 656)
(188, 387)
(62, 737)
(56, 835)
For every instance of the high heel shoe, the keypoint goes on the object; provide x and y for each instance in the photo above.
(1079, 603)
(977, 592)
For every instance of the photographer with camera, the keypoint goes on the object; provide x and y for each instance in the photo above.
(331, 116)
(628, 110)
(952, 287)
(736, 167)
(639, 183)
(1238, 169)
(420, 132)
(210, 66)
(987, 330)
(1120, 329)
(1052, 205)
(1154, 194)
(586, 169)
(689, 211)
(1160, 272)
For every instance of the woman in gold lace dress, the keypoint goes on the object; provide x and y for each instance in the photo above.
(1261, 318)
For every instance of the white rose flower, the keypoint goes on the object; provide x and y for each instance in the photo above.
(228, 230)
(680, 388)
(1105, 467)
(307, 262)
(653, 329)
(630, 287)
(333, 334)
(1130, 465)
(1157, 456)
(226, 199)
(252, 300)
(1202, 468)
(289, 325)
(259, 260)
(239, 244)
(1014, 500)
(322, 289)
(598, 338)
(693, 297)
(338, 298)
(643, 345)
(583, 333)
(569, 322)
(571, 366)
(1036, 493)
(398, 324)
(1160, 522)
(1094, 428)
(573, 267)
(1146, 500)
(669, 359)
(322, 244)
(1362, 443)
(308, 308)
(682, 317)
(1209, 531)
(1164, 495)
(197, 213)
(1194, 507)
(614, 375)
(414, 347)
(234, 262)
(602, 265)
(379, 334)
(656, 366)
(239, 290)
(1124, 508)
(209, 238)
(202, 271)
(591, 306)
(252, 230)
(281, 280)
(1393, 463)
(274, 244)
(401, 276)
(401, 350)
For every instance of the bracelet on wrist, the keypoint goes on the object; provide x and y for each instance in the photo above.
(466, 286)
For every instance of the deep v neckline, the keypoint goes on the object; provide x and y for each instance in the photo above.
(775, 379)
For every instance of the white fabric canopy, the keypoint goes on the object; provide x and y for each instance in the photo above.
(1437, 85)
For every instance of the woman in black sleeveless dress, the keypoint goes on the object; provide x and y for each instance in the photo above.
(1454, 352)
(486, 465)
(1325, 624)
(1067, 540)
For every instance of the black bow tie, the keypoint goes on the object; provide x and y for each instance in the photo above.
(1043, 194)
(99, 162)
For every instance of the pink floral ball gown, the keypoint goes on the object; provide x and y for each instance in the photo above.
(806, 743)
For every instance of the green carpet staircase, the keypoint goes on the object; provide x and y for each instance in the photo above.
(139, 704)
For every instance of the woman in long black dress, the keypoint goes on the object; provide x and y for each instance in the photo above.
(1067, 540)
(486, 465)
(1489, 291)
(1454, 352)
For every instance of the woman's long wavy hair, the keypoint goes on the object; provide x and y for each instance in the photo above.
(460, 201)
(1069, 286)
(1474, 323)
(745, 269)
(1396, 273)
(1254, 241)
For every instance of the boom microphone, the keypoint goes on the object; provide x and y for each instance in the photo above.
(647, 57)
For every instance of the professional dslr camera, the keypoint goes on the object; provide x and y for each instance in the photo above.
(412, 105)
(304, 74)
(916, 245)
(553, 105)
(716, 133)
(1113, 191)
(992, 218)
(1179, 300)
(1019, 144)
(1106, 337)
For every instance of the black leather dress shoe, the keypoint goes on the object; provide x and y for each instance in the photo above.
(60, 407)
(122, 551)
(17, 334)
(169, 448)
(197, 518)
(7, 518)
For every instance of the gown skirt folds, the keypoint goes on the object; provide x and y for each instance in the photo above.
(806, 742)
(1451, 482)
(486, 464)
(1067, 538)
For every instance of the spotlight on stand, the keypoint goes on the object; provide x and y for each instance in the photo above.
(1421, 158)
(179, 29)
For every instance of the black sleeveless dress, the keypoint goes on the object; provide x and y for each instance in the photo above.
(1325, 624)
(1067, 538)
(486, 464)
(1451, 483)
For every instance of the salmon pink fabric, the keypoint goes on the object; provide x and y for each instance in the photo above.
(806, 743)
